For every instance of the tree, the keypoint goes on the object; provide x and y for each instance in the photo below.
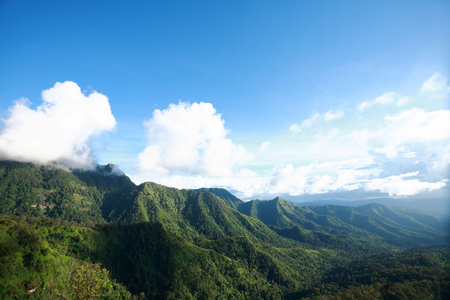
(88, 281)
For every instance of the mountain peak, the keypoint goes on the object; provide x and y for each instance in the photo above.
(224, 194)
(278, 199)
(109, 169)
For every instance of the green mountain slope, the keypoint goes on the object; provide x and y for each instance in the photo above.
(407, 217)
(166, 266)
(396, 226)
(415, 274)
(189, 214)
(30, 190)
(342, 226)
(43, 259)
(282, 213)
(223, 194)
(312, 229)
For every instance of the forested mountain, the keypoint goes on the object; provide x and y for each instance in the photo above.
(225, 195)
(82, 196)
(397, 226)
(157, 242)
(188, 213)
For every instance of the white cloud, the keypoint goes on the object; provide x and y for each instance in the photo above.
(290, 180)
(310, 179)
(417, 125)
(333, 115)
(435, 84)
(438, 161)
(301, 180)
(390, 151)
(410, 128)
(57, 131)
(371, 152)
(264, 146)
(385, 99)
(409, 154)
(398, 186)
(191, 139)
(409, 140)
(316, 119)
(294, 128)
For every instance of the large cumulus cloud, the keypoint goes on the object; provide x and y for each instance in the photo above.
(57, 131)
(190, 139)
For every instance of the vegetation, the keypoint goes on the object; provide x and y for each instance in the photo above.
(40, 191)
(416, 274)
(223, 194)
(39, 260)
(95, 235)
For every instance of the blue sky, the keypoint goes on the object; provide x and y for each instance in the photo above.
(262, 97)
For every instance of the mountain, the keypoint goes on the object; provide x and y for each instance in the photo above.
(376, 222)
(166, 266)
(397, 226)
(158, 242)
(42, 191)
(282, 213)
(225, 195)
(437, 206)
(188, 213)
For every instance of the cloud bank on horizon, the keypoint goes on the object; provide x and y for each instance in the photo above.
(395, 144)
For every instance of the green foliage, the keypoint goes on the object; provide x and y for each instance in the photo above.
(87, 281)
(30, 190)
(37, 261)
(169, 267)
(191, 214)
(223, 194)
(415, 274)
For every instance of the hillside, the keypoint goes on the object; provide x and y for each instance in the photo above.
(398, 226)
(334, 225)
(189, 214)
(157, 242)
(43, 191)
(223, 194)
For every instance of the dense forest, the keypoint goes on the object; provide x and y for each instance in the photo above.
(96, 235)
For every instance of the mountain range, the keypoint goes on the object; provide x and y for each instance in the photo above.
(156, 242)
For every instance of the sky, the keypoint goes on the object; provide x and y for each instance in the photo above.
(264, 98)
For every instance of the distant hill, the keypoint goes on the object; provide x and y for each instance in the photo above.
(326, 223)
(396, 226)
(438, 206)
